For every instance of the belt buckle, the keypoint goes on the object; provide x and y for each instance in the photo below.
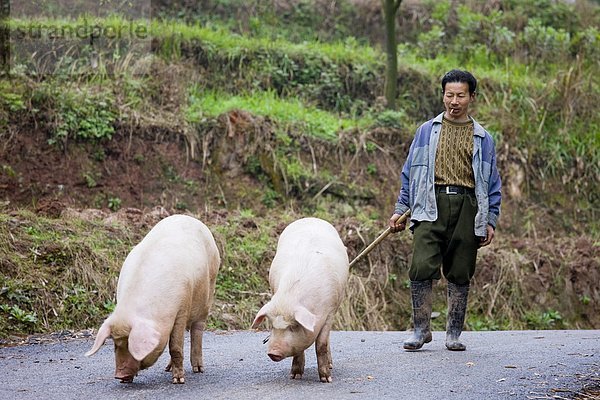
(448, 190)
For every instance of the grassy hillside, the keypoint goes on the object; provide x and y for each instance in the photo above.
(250, 115)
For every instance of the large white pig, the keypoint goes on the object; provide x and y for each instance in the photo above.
(166, 286)
(308, 278)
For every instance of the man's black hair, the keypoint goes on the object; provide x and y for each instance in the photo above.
(456, 75)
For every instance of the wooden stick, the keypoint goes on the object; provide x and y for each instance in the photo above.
(382, 236)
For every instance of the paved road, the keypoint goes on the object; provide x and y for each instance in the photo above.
(496, 365)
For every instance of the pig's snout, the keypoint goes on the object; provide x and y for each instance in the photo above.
(126, 375)
(275, 357)
(124, 378)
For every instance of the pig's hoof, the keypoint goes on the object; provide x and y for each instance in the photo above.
(199, 368)
(168, 367)
(178, 380)
(295, 376)
(326, 379)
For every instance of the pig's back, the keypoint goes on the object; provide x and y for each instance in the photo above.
(173, 257)
(310, 257)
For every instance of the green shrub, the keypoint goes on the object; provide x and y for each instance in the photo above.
(84, 118)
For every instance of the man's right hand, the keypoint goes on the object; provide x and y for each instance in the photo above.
(395, 225)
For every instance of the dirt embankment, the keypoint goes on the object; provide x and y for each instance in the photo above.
(238, 163)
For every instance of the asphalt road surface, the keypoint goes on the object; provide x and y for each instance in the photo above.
(367, 365)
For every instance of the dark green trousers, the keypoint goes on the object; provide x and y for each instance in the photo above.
(448, 243)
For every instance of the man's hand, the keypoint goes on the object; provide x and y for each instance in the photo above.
(484, 241)
(395, 225)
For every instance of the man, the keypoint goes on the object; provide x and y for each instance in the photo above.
(451, 186)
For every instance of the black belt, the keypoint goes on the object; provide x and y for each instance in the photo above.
(453, 189)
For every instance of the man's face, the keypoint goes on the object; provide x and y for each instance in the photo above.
(456, 101)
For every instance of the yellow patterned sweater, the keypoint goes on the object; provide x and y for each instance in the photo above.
(454, 156)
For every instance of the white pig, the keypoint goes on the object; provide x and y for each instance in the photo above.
(308, 278)
(166, 286)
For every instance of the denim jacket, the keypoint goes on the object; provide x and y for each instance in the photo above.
(418, 174)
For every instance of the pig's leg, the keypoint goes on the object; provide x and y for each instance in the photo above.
(176, 351)
(329, 359)
(297, 366)
(196, 331)
(324, 361)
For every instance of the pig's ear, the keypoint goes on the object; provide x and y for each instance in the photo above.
(260, 316)
(143, 339)
(305, 318)
(103, 334)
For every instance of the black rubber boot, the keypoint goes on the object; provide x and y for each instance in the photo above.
(457, 307)
(421, 308)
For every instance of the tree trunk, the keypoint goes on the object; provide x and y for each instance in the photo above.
(4, 37)
(390, 8)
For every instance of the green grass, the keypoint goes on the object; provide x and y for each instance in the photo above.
(214, 37)
(57, 273)
(220, 38)
(286, 112)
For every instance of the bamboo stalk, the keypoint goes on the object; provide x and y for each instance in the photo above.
(382, 236)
